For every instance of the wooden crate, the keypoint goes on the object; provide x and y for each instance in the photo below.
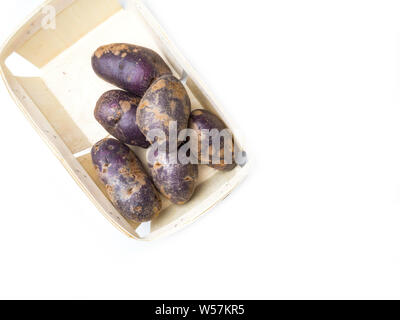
(59, 98)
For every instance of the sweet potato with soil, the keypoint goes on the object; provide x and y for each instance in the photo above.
(128, 185)
(164, 102)
(206, 120)
(129, 67)
(116, 112)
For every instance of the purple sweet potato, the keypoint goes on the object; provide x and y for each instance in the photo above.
(129, 67)
(174, 180)
(116, 112)
(128, 185)
(165, 102)
(205, 120)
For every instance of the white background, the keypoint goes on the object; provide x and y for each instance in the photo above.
(314, 86)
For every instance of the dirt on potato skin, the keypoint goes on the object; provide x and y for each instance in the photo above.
(128, 185)
(175, 181)
(164, 102)
(116, 112)
(129, 67)
(201, 119)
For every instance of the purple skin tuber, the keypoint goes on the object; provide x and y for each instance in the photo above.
(205, 120)
(128, 185)
(164, 102)
(175, 181)
(129, 67)
(116, 112)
